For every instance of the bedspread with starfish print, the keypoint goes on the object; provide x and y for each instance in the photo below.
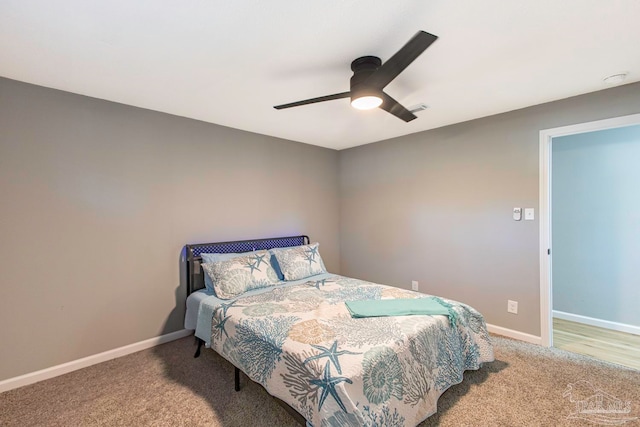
(302, 345)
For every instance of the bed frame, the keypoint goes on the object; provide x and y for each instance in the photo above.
(195, 281)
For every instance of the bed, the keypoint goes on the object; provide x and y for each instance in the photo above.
(296, 331)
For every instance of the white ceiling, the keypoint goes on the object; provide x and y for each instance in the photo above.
(229, 62)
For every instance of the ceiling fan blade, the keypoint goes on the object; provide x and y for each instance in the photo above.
(401, 60)
(392, 106)
(314, 100)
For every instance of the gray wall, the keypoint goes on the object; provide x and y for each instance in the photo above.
(596, 224)
(98, 200)
(436, 206)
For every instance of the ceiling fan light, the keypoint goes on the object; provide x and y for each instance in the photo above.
(367, 102)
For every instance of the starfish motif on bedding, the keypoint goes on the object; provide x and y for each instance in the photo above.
(219, 324)
(332, 353)
(252, 265)
(259, 259)
(328, 385)
(310, 255)
(313, 251)
(320, 283)
(226, 306)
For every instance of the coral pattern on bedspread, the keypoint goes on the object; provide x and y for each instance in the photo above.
(302, 345)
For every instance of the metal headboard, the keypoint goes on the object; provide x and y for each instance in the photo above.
(195, 274)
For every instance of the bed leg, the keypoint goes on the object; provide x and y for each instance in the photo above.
(200, 342)
(237, 379)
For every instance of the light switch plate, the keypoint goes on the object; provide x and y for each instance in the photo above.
(529, 214)
(517, 214)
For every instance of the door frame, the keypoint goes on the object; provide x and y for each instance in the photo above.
(546, 255)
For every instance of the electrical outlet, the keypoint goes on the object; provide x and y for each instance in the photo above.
(512, 306)
(414, 285)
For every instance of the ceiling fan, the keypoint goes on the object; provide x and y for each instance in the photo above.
(370, 76)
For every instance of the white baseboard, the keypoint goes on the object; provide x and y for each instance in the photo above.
(74, 365)
(606, 324)
(516, 335)
(54, 371)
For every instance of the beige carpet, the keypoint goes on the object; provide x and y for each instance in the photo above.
(165, 386)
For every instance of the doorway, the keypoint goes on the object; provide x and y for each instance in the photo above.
(580, 200)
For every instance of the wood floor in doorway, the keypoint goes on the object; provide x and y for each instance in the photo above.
(605, 344)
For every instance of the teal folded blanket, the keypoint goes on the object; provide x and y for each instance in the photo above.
(401, 307)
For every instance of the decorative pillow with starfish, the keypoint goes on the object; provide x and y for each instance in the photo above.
(299, 262)
(233, 277)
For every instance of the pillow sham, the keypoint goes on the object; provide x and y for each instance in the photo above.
(299, 262)
(215, 257)
(235, 276)
(274, 261)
